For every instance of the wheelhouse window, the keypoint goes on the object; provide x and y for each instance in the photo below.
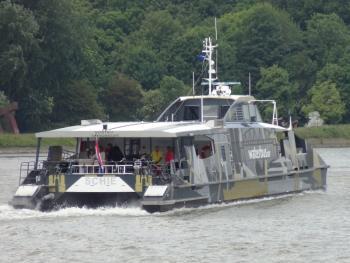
(243, 112)
(190, 109)
(223, 110)
(191, 113)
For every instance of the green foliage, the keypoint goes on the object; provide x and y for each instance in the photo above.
(325, 131)
(327, 36)
(153, 103)
(340, 76)
(325, 99)
(143, 65)
(3, 99)
(18, 31)
(171, 88)
(122, 98)
(56, 55)
(78, 101)
(29, 140)
(260, 37)
(303, 10)
(34, 109)
(274, 84)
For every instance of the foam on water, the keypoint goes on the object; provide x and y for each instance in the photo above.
(9, 213)
(219, 206)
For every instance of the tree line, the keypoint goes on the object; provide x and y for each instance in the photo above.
(67, 60)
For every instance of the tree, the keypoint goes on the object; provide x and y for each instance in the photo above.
(260, 37)
(19, 48)
(326, 38)
(4, 101)
(143, 65)
(76, 102)
(172, 88)
(19, 32)
(123, 98)
(303, 10)
(325, 98)
(274, 84)
(340, 76)
(153, 103)
(158, 30)
(35, 111)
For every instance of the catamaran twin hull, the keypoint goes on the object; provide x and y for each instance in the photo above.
(240, 163)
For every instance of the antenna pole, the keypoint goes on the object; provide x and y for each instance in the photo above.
(250, 85)
(216, 51)
(193, 83)
(216, 30)
(202, 104)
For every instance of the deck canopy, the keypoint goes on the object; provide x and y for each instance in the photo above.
(129, 129)
(147, 129)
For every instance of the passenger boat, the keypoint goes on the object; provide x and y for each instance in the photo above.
(219, 150)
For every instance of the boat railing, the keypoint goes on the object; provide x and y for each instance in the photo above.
(105, 169)
(137, 167)
(26, 168)
(67, 154)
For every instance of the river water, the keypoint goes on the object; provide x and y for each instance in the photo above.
(306, 227)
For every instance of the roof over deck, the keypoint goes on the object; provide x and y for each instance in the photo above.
(147, 129)
(129, 129)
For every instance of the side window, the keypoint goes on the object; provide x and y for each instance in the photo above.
(210, 112)
(203, 146)
(223, 110)
(223, 152)
(191, 113)
(235, 113)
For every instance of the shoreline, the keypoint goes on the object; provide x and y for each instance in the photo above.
(329, 142)
(314, 142)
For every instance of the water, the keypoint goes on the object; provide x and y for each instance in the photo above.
(307, 227)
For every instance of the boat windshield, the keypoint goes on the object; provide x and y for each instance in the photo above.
(190, 109)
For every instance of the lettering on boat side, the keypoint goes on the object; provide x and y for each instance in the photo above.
(260, 153)
(107, 181)
(105, 134)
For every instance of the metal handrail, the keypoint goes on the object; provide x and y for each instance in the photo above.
(26, 168)
(106, 169)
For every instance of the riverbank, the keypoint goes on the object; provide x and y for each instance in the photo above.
(326, 135)
(28, 140)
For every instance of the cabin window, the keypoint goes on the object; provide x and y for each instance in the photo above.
(210, 112)
(191, 113)
(223, 152)
(204, 146)
(235, 113)
(223, 110)
(244, 112)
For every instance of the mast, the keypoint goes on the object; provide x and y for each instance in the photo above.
(193, 93)
(216, 52)
(208, 49)
(250, 86)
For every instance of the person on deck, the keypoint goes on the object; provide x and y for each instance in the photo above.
(169, 155)
(157, 155)
(109, 152)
